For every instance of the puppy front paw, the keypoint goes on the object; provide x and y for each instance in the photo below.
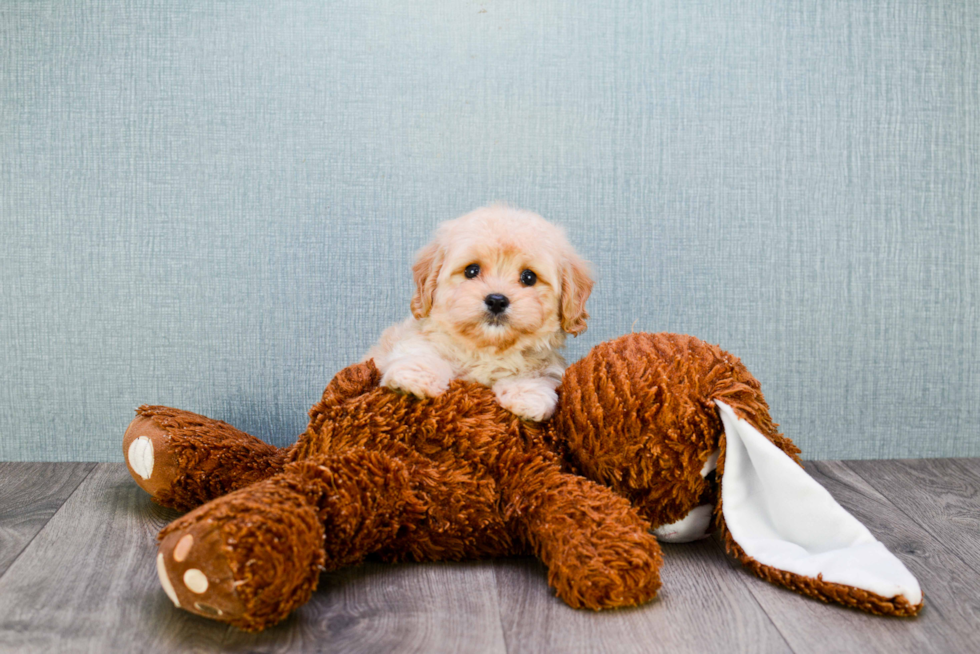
(531, 399)
(419, 377)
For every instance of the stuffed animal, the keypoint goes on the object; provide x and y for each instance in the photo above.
(655, 436)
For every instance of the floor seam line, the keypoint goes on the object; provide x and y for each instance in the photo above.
(952, 551)
(755, 599)
(500, 616)
(81, 481)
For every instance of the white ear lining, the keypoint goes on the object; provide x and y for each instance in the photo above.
(784, 519)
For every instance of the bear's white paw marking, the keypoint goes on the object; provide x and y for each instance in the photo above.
(183, 547)
(165, 580)
(419, 378)
(140, 456)
(195, 581)
(527, 398)
(207, 608)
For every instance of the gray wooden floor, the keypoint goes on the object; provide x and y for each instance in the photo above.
(77, 573)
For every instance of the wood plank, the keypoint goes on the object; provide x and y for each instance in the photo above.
(948, 621)
(88, 582)
(941, 495)
(374, 607)
(30, 493)
(701, 607)
(973, 465)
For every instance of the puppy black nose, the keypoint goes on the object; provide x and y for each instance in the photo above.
(496, 303)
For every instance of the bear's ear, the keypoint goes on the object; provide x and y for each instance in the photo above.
(428, 263)
(576, 285)
(792, 532)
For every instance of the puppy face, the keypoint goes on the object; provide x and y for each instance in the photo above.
(501, 277)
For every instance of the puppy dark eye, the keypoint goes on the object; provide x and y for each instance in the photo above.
(472, 270)
(528, 278)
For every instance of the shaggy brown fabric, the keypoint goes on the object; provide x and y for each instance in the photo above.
(637, 414)
(377, 473)
(208, 458)
(388, 475)
(260, 547)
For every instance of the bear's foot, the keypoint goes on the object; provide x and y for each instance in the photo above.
(598, 549)
(248, 559)
(196, 574)
(151, 462)
(183, 459)
(613, 579)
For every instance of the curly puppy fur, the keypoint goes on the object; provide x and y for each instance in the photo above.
(497, 291)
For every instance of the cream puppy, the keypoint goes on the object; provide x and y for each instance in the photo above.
(497, 290)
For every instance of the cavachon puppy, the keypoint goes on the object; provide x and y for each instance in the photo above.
(497, 290)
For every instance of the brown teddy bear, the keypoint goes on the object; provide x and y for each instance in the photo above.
(652, 431)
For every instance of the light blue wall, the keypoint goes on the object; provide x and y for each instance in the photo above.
(214, 205)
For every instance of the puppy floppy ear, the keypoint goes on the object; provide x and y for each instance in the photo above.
(576, 285)
(428, 263)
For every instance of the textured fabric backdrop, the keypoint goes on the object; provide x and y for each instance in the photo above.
(214, 205)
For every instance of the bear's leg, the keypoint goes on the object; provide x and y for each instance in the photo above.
(597, 548)
(183, 459)
(251, 557)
